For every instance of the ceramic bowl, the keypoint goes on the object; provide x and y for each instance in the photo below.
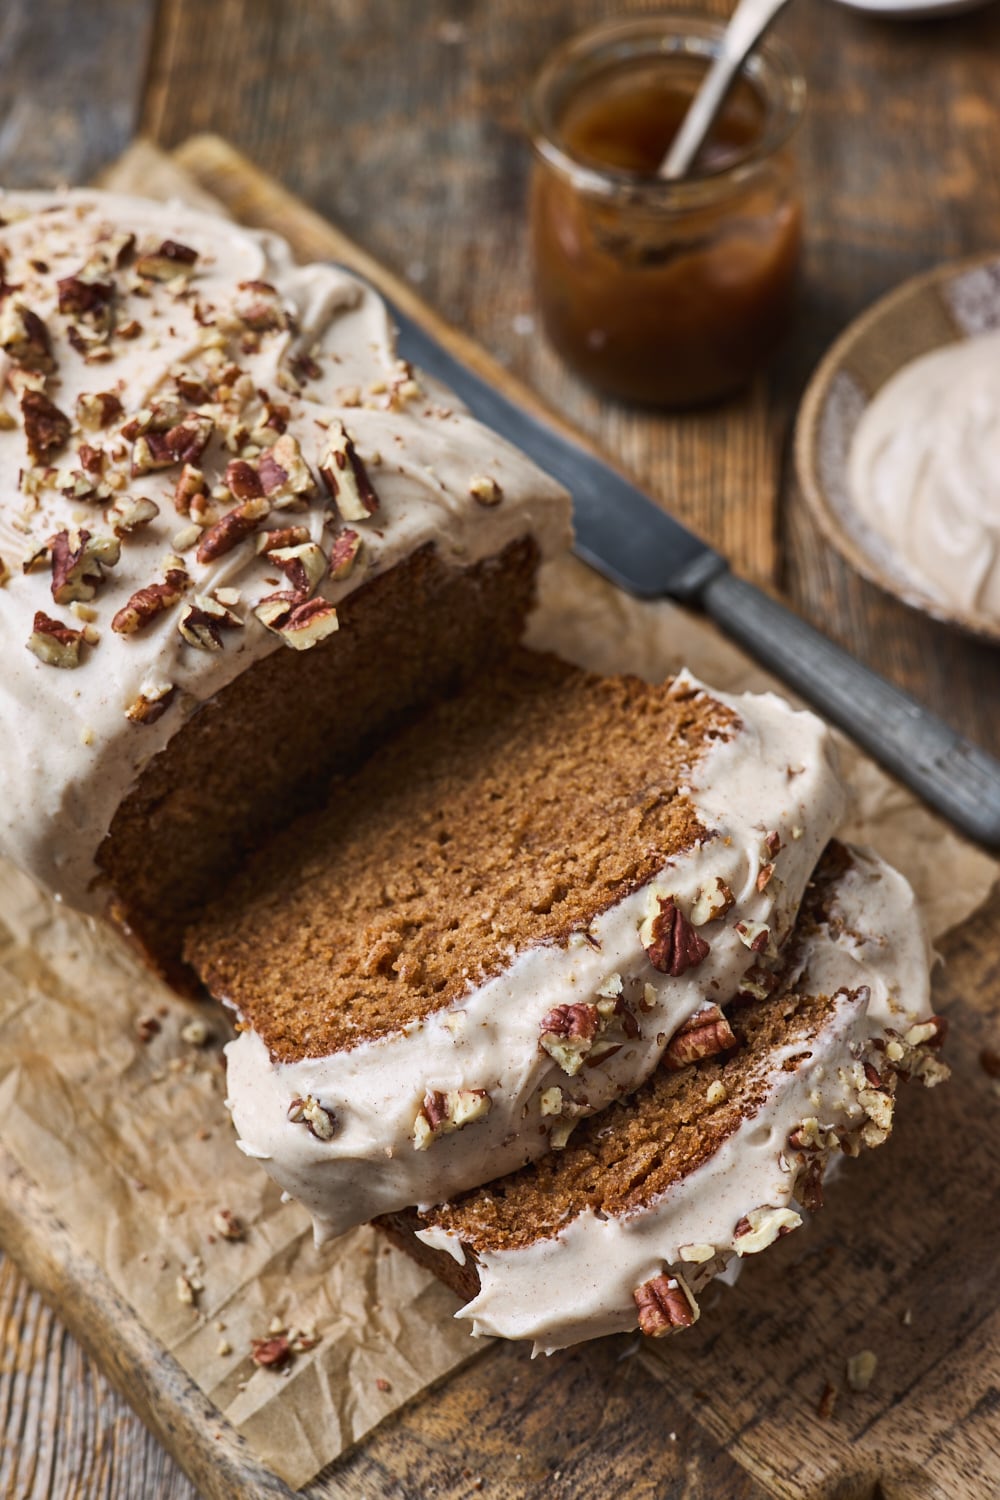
(955, 301)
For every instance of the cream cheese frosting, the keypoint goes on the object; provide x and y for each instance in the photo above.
(770, 797)
(924, 473)
(165, 310)
(873, 960)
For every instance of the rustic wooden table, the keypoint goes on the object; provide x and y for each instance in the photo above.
(401, 123)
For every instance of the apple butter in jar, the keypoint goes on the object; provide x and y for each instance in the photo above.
(664, 293)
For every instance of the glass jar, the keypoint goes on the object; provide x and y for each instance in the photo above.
(664, 293)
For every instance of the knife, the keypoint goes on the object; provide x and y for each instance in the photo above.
(629, 539)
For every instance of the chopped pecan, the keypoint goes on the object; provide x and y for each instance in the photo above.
(78, 564)
(170, 260)
(159, 416)
(300, 626)
(25, 338)
(128, 513)
(99, 410)
(568, 1033)
(282, 536)
(346, 477)
(231, 529)
(665, 1305)
(318, 1120)
(671, 943)
(809, 1184)
(201, 622)
(149, 602)
(226, 1223)
(86, 297)
(284, 474)
(756, 936)
(303, 565)
(183, 444)
(271, 1353)
(711, 902)
(190, 483)
(259, 307)
(46, 428)
(242, 480)
(485, 490)
(344, 554)
(702, 1035)
(54, 643)
(152, 703)
(762, 1226)
(439, 1114)
(194, 392)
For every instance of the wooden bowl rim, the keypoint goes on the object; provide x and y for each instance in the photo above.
(811, 409)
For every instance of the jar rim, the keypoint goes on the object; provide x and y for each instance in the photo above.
(771, 68)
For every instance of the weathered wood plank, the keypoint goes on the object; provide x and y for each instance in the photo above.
(71, 82)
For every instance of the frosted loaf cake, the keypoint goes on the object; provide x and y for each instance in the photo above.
(208, 456)
(711, 1164)
(504, 921)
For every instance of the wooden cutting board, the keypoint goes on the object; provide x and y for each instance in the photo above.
(903, 1263)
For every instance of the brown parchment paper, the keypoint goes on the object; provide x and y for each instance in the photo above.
(129, 1142)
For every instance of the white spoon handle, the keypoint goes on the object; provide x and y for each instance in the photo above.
(747, 25)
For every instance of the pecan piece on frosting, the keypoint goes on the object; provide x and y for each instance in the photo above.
(78, 564)
(152, 703)
(300, 626)
(344, 554)
(25, 338)
(318, 1120)
(149, 602)
(169, 261)
(304, 565)
(762, 1226)
(346, 477)
(231, 529)
(242, 480)
(130, 512)
(702, 1035)
(665, 1305)
(712, 902)
(568, 1033)
(85, 296)
(285, 477)
(55, 644)
(484, 489)
(182, 444)
(46, 428)
(756, 936)
(202, 620)
(441, 1113)
(259, 307)
(671, 943)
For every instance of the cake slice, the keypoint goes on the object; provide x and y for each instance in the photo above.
(240, 539)
(504, 921)
(655, 1196)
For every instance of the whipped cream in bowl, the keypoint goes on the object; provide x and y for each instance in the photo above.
(897, 444)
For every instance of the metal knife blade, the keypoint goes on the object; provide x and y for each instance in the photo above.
(629, 539)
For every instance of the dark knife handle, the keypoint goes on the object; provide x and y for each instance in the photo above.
(955, 777)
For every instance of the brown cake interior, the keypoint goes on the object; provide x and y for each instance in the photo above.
(264, 748)
(509, 815)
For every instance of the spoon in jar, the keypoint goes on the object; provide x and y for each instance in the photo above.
(747, 25)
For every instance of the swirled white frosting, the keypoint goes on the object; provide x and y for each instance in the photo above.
(70, 752)
(924, 472)
(873, 960)
(775, 775)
